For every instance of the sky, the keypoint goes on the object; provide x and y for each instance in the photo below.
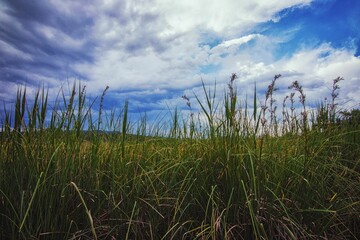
(152, 52)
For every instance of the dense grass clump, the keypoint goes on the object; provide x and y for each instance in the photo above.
(235, 173)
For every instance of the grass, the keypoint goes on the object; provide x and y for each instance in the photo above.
(235, 173)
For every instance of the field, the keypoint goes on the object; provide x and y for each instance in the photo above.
(235, 173)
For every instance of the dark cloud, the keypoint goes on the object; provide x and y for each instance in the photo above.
(145, 34)
(46, 39)
(39, 41)
(42, 12)
(29, 11)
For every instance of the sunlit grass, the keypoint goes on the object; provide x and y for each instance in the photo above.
(235, 173)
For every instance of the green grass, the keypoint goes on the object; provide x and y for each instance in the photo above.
(240, 172)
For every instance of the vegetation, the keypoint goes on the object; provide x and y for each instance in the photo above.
(234, 173)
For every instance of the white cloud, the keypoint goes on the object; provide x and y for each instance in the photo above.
(156, 43)
(316, 69)
(220, 16)
(324, 62)
(238, 41)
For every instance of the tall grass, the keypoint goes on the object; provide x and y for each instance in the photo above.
(242, 172)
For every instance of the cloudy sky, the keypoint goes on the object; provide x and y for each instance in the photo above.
(152, 52)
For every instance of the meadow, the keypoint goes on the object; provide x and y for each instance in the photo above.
(273, 171)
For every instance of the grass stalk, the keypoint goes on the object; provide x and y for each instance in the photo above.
(130, 221)
(88, 213)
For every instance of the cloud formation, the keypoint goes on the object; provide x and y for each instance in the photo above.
(153, 51)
